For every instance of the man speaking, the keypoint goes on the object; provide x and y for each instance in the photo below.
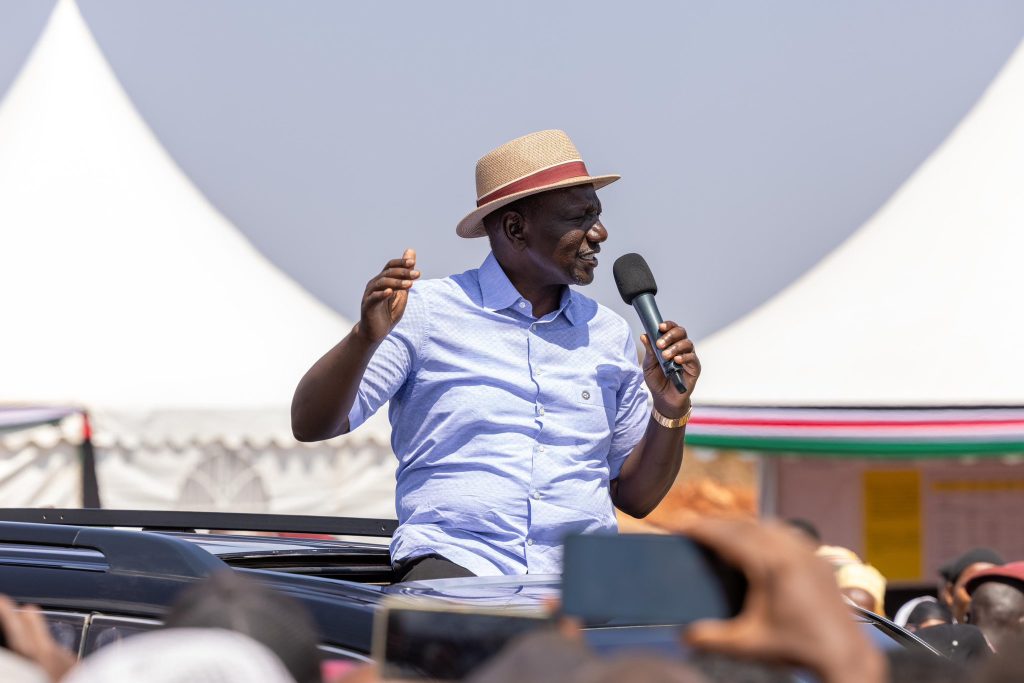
(518, 409)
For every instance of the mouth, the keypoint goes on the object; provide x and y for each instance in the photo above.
(590, 258)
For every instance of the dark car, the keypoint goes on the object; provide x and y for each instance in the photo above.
(102, 575)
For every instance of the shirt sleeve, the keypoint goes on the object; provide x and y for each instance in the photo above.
(632, 409)
(394, 362)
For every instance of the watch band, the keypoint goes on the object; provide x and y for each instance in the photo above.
(671, 424)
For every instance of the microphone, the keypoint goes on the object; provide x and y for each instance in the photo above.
(636, 285)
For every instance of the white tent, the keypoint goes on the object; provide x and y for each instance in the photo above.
(885, 374)
(921, 306)
(127, 293)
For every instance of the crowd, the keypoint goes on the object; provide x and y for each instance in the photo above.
(794, 618)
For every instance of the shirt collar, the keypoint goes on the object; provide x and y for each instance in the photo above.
(498, 293)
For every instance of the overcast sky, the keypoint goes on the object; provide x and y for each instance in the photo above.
(752, 136)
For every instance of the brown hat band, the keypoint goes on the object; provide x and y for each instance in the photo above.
(547, 176)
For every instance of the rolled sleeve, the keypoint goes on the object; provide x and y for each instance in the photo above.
(632, 410)
(393, 362)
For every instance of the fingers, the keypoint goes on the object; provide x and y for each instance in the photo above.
(650, 356)
(400, 273)
(714, 634)
(671, 333)
(677, 350)
(738, 542)
(397, 275)
(18, 636)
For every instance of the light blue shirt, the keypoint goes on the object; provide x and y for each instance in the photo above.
(507, 427)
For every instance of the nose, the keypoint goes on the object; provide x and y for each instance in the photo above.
(597, 233)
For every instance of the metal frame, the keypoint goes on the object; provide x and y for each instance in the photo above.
(159, 520)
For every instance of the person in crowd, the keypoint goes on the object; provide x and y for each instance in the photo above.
(185, 655)
(925, 667)
(1005, 667)
(863, 585)
(234, 602)
(955, 574)
(997, 603)
(926, 614)
(519, 411)
(837, 556)
(959, 642)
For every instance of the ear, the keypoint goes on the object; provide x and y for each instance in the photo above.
(513, 227)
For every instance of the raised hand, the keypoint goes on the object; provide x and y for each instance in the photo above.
(385, 298)
(793, 613)
(672, 345)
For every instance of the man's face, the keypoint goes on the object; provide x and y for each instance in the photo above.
(563, 235)
(961, 598)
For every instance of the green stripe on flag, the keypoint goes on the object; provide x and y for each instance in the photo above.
(834, 448)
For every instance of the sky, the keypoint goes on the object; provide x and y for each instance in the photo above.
(752, 137)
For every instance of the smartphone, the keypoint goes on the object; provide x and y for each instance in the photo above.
(647, 580)
(441, 642)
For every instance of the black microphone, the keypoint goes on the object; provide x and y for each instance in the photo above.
(636, 285)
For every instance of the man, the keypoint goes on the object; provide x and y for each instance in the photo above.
(863, 585)
(518, 410)
(997, 604)
(956, 573)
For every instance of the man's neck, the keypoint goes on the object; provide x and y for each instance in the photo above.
(543, 298)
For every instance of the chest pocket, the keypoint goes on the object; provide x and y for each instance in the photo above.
(596, 407)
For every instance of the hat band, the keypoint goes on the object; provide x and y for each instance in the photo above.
(547, 176)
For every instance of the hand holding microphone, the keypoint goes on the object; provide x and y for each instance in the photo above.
(673, 383)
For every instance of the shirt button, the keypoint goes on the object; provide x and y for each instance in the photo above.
(536, 495)
(529, 541)
(522, 304)
(538, 372)
(540, 410)
(541, 449)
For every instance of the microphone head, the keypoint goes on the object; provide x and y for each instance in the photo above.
(633, 277)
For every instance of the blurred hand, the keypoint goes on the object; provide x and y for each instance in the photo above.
(28, 636)
(673, 344)
(385, 297)
(792, 614)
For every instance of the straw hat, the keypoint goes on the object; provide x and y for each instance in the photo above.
(533, 163)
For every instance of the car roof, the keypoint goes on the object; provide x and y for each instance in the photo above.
(314, 565)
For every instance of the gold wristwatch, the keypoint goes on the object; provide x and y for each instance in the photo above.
(671, 424)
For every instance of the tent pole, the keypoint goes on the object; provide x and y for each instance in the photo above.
(90, 483)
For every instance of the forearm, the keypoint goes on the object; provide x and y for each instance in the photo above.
(650, 470)
(326, 392)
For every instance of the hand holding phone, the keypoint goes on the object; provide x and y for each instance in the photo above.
(793, 613)
(646, 580)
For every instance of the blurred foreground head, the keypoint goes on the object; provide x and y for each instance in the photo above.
(182, 656)
(997, 604)
(236, 603)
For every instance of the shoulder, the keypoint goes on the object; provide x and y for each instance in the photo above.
(461, 288)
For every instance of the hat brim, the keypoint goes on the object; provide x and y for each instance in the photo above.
(472, 225)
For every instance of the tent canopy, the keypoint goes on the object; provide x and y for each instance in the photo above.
(136, 298)
(900, 341)
(919, 307)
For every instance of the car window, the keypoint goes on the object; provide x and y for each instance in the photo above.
(104, 631)
(66, 628)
